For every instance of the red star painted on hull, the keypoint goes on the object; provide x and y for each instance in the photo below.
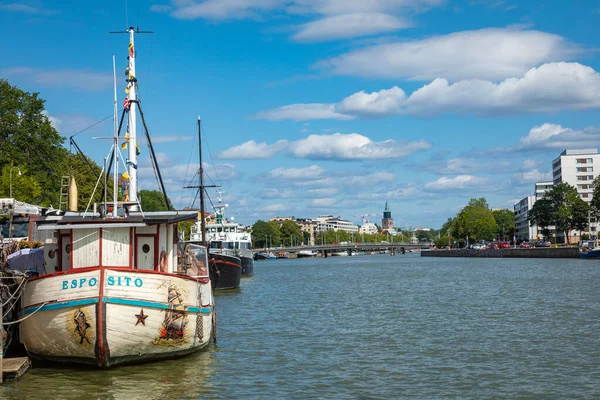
(141, 318)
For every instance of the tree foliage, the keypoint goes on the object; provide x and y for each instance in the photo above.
(290, 233)
(541, 214)
(505, 220)
(264, 234)
(476, 221)
(562, 207)
(31, 143)
(595, 203)
(24, 187)
(153, 200)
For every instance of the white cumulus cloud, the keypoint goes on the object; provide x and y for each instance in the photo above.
(555, 137)
(324, 202)
(492, 54)
(312, 172)
(384, 102)
(303, 112)
(348, 25)
(338, 146)
(251, 150)
(552, 87)
(353, 146)
(275, 207)
(457, 183)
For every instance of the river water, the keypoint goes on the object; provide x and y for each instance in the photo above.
(377, 327)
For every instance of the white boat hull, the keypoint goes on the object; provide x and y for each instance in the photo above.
(110, 316)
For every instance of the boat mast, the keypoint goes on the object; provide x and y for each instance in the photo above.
(115, 142)
(132, 96)
(201, 188)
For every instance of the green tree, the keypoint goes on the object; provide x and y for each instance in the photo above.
(24, 187)
(475, 221)
(505, 219)
(595, 203)
(265, 234)
(570, 211)
(542, 215)
(29, 141)
(153, 200)
(186, 227)
(86, 178)
(562, 207)
(290, 232)
(306, 237)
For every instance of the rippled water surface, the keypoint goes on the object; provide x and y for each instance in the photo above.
(375, 327)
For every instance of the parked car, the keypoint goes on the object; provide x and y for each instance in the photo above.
(542, 243)
(506, 245)
(525, 245)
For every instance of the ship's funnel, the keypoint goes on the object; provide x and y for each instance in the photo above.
(72, 194)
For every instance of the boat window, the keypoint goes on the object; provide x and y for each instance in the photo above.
(20, 230)
(219, 229)
(228, 245)
(215, 245)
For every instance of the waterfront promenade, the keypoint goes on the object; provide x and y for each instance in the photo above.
(546, 252)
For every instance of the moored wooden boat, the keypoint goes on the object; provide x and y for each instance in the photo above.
(119, 288)
(108, 298)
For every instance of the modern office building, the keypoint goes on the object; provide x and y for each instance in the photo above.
(331, 223)
(523, 230)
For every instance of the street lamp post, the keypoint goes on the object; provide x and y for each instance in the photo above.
(10, 178)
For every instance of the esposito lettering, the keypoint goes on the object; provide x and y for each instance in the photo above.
(110, 281)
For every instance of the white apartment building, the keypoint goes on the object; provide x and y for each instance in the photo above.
(541, 188)
(523, 230)
(331, 223)
(578, 168)
(368, 228)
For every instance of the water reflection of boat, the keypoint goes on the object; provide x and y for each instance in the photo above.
(307, 253)
(340, 254)
(265, 256)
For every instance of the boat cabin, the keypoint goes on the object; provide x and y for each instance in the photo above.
(147, 241)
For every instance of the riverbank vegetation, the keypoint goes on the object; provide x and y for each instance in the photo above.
(33, 158)
(476, 222)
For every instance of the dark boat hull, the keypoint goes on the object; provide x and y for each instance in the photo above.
(247, 266)
(225, 271)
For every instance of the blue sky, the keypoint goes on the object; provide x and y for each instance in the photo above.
(315, 107)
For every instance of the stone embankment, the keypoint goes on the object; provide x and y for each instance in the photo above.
(547, 252)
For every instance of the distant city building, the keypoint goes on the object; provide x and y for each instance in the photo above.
(387, 222)
(541, 188)
(310, 226)
(578, 168)
(282, 219)
(331, 223)
(523, 229)
(305, 225)
(368, 228)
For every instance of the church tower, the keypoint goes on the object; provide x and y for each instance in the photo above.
(387, 222)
